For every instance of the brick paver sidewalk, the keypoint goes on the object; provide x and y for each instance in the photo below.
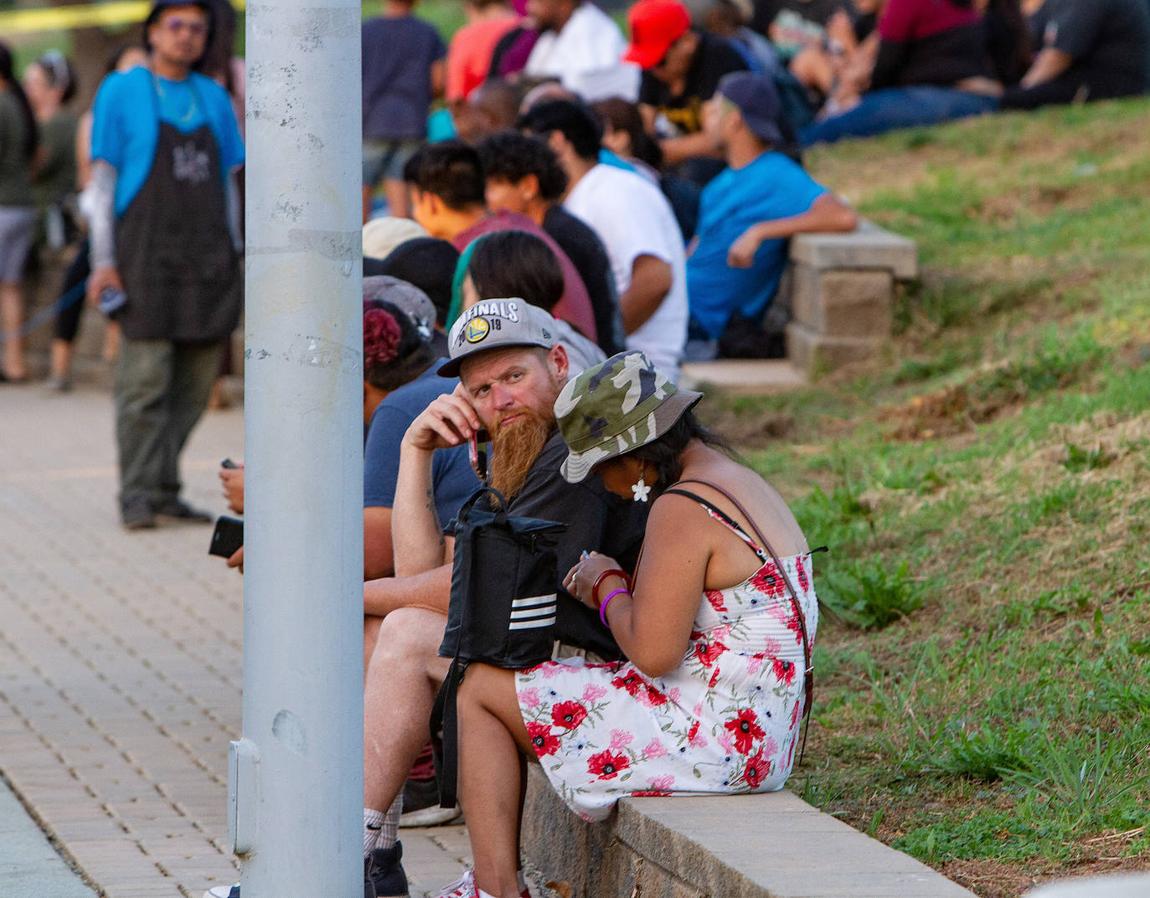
(120, 659)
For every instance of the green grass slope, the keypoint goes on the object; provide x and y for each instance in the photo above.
(983, 699)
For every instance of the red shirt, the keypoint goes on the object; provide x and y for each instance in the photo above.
(470, 52)
(905, 20)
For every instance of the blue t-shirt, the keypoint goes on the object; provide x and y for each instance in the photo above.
(125, 128)
(398, 52)
(452, 477)
(771, 187)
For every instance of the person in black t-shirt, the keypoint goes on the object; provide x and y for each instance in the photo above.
(681, 69)
(511, 373)
(1090, 51)
(523, 176)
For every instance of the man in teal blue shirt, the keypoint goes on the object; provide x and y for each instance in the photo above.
(748, 211)
(164, 250)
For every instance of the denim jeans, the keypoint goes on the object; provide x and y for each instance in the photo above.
(898, 107)
(161, 390)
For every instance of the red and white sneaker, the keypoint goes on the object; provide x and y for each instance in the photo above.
(465, 887)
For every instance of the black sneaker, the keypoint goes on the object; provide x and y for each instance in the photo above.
(137, 514)
(383, 875)
(180, 510)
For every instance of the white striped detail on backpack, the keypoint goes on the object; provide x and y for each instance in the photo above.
(533, 612)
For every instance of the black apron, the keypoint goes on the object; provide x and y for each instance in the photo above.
(174, 251)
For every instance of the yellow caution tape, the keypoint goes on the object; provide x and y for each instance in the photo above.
(63, 18)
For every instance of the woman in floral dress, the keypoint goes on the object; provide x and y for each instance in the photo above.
(716, 628)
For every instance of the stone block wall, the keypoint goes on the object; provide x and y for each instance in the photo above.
(842, 295)
(734, 846)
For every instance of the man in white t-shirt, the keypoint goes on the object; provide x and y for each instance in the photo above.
(581, 46)
(636, 224)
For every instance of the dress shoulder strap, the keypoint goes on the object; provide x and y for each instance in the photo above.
(722, 517)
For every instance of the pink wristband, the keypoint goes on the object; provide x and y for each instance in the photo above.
(622, 590)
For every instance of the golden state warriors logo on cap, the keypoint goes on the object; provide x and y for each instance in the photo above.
(476, 330)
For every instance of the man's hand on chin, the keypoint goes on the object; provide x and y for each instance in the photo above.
(448, 421)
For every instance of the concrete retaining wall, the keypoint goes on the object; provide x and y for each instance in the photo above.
(748, 846)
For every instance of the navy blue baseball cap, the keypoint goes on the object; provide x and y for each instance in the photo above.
(757, 101)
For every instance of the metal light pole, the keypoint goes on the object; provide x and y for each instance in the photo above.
(296, 776)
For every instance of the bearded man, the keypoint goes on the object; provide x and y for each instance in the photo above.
(511, 371)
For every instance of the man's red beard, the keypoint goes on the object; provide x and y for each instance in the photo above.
(515, 447)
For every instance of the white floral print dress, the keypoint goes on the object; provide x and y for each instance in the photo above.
(726, 720)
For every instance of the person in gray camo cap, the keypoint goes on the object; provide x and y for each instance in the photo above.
(717, 623)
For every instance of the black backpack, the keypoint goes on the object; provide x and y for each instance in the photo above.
(504, 605)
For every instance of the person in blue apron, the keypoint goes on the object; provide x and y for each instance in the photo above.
(165, 146)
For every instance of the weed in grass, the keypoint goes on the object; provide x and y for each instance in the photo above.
(1078, 459)
(1082, 785)
(983, 754)
(915, 370)
(870, 594)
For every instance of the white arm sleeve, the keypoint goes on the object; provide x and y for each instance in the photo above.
(98, 203)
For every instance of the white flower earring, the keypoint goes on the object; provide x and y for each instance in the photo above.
(641, 490)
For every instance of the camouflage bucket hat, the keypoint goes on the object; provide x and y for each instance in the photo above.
(615, 407)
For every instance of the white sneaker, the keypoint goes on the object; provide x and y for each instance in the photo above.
(232, 891)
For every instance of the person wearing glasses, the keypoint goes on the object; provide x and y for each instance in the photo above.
(164, 249)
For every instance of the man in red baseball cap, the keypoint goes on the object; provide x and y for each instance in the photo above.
(681, 69)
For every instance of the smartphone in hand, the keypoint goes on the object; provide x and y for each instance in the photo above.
(477, 453)
(227, 538)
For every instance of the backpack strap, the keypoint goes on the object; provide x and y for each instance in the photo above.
(808, 678)
(445, 734)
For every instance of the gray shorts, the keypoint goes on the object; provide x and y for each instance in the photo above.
(385, 159)
(17, 229)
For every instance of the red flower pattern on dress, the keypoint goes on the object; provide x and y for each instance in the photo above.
(606, 766)
(542, 740)
(654, 697)
(709, 652)
(768, 581)
(758, 769)
(607, 730)
(801, 569)
(568, 715)
(784, 670)
(631, 681)
(746, 729)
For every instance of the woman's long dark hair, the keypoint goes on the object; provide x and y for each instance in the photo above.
(664, 456)
(516, 263)
(32, 137)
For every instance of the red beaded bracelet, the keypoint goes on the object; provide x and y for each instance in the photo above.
(611, 572)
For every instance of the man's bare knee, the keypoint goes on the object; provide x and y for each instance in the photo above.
(409, 636)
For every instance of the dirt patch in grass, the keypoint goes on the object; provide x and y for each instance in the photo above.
(997, 879)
